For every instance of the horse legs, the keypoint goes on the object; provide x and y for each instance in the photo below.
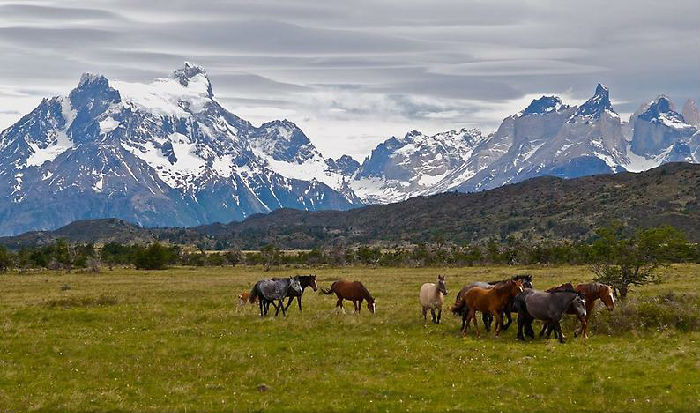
(510, 319)
(289, 302)
(298, 302)
(499, 322)
(261, 305)
(339, 305)
(432, 315)
(557, 328)
(465, 312)
(439, 315)
(284, 310)
(487, 319)
(528, 328)
(521, 324)
(584, 327)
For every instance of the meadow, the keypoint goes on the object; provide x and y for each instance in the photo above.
(176, 340)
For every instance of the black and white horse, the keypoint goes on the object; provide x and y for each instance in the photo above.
(269, 291)
(304, 281)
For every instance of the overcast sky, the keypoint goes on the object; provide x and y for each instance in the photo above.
(352, 73)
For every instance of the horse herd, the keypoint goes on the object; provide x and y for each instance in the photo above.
(495, 300)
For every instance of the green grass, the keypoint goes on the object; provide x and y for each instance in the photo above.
(175, 340)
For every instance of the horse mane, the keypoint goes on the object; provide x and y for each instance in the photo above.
(563, 288)
(501, 285)
(514, 278)
(366, 291)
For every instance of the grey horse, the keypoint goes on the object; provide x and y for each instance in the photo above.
(269, 291)
(548, 307)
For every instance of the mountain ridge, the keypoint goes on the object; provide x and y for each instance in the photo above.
(168, 154)
(544, 208)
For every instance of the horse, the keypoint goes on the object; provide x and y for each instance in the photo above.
(460, 309)
(548, 307)
(244, 297)
(590, 292)
(353, 291)
(267, 291)
(431, 297)
(304, 281)
(492, 300)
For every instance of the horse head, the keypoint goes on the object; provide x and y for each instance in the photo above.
(516, 287)
(605, 292)
(371, 305)
(295, 285)
(311, 281)
(441, 284)
(579, 306)
(525, 278)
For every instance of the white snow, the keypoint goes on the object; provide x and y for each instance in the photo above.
(180, 174)
(98, 184)
(108, 124)
(166, 96)
(60, 144)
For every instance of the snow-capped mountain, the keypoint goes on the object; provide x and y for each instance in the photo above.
(414, 165)
(166, 153)
(548, 137)
(662, 135)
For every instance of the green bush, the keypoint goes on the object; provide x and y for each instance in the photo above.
(656, 313)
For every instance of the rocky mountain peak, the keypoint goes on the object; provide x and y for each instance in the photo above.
(545, 104)
(597, 104)
(191, 71)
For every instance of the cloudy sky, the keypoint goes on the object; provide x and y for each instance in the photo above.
(353, 73)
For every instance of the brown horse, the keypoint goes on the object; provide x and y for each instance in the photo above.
(490, 300)
(591, 292)
(244, 297)
(352, 291)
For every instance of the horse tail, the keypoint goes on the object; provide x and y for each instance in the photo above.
(329, 290)
(460, 305)
(254, 293)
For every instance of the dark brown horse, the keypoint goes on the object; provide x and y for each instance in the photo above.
(490, 300)
(352, 291)
(590, 292)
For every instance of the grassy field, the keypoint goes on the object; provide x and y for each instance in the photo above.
(175, 340)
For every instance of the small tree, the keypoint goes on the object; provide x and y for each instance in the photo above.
(63, 254)
(623, 262)
(5, 259)
(153, 257)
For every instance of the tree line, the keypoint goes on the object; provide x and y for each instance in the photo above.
(615, 256)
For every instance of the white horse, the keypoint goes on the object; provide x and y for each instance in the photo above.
(432, 297)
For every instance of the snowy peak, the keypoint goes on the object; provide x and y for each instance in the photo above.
(344, 165)
(597, 104)
(282, 140)
(662, 110)
(545, 104)
(93, 94)
(661, 134)
(193, 73)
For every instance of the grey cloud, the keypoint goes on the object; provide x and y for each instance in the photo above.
(352, 64)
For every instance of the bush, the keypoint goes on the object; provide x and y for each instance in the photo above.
(659, 313)
(153, 257)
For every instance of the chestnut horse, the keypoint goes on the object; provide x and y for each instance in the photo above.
(492, 300)
(590, 292)
(352, 291)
